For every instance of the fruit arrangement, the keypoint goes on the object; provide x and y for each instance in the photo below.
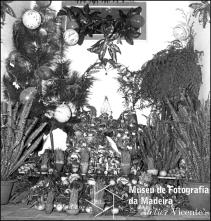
(177, 172)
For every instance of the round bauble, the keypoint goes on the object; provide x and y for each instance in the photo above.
(43, 33)
(44, 72)
(43, 4)
(27, 94)
(137, 21)
(134, 181)
(71, 37)
(59, 207)
(91, 182)
(88, 209)
(72, 24)
(112, 182)
(163, 173)
(62, 113)
(31, 19)
(181, 32)
(18, 63)
(40, 206)
(115, 211)
(78, 133)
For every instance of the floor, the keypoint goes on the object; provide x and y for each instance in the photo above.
(22, 212)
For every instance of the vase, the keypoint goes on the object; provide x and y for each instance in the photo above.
(84, 167)
(6, 189)
(125, 167)
(199, 200)
(73, 203)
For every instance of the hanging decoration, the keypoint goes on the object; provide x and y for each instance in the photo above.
(44, 72)
(27, 94)
(31, 19)
(137, 21)
(62, 113)
(43, 4)
(73, 24)
(125, 26)
(71, 37)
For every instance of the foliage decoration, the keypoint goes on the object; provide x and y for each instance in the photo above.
(170, 72)
(156, 140)
(192, 129)
(18, 140)
(6, 9)
(39, 61)
(112, 29)
(202, 10)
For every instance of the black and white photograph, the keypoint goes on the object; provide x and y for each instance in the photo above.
(105, 110)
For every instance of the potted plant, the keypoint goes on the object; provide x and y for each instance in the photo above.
(19, 138)
(192, 128)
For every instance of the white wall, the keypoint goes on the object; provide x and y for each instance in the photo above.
(202, 43)
(161, 18)
(6, 33)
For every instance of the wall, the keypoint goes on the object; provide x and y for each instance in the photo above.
(202, 43)
(6, 33)
(161, 18)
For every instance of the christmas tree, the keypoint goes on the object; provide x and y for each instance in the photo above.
(37, 68)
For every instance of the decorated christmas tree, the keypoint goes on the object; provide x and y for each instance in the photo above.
(38, 70)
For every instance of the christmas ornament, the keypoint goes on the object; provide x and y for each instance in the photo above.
(134, 181)
(18, 63)
(27, 94)
(115, 211)
(88, 209)
(137, 21)
(43, 34)
(71, 37)
(112, 182)
(31, 19)
(62, 113)
(73, 24)
(43, 4)
(44, 72)
(59, 207)
(40, 206)
(181, 32)
(91, 182)
(30, 47)
(162, 173)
